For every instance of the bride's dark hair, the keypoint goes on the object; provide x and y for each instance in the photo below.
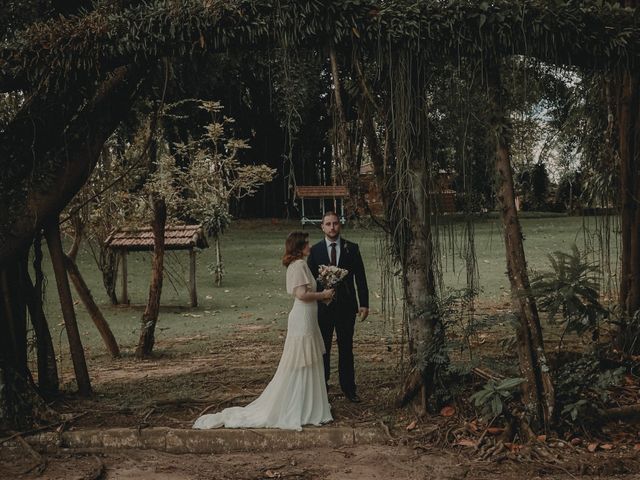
(293, 247)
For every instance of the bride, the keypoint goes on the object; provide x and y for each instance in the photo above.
(297, 393)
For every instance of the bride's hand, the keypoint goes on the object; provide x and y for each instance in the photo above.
(328, 295)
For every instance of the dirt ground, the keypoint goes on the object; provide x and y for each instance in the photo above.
(204, 373)
(346, 463)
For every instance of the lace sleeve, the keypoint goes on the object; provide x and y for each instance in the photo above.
(297, 276)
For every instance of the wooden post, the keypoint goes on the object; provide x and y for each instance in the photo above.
(124, 298)
(192, 278)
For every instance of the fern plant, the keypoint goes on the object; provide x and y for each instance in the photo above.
(570, 293)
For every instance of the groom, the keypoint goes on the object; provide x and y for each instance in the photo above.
(340, 314)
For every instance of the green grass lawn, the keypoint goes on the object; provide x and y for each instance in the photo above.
(253, 291)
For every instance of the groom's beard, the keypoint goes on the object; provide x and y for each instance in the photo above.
(334, 238)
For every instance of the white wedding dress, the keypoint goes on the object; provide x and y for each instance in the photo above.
(297, 393)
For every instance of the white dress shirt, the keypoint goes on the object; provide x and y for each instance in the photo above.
(337, 242)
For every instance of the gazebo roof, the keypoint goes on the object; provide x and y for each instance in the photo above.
(322, 191)
(176, 237)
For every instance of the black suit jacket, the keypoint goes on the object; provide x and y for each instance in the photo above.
(351, 261)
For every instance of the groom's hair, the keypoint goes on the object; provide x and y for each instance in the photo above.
(330, 213)
(294, 246)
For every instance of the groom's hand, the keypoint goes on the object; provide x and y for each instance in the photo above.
(364, 313)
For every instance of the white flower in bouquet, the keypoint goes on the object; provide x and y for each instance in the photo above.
(330, 275)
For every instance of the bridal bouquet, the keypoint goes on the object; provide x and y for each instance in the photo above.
(330, 276)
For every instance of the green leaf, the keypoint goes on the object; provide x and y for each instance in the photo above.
(510, 383)
(496, 405)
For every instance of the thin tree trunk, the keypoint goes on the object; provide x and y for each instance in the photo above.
(48, 381)
(107, 258)
(52, 234)
(379, 159)
(150, 316)
(83, 290)
(219, 267)
(109, 269)
(124, 287)
(347, 161)
(538, 388)
(92, 308)
(193, 293)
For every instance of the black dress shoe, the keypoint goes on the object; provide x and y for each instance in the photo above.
(353, 397)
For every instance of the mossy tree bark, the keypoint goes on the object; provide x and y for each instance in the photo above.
(538, 386)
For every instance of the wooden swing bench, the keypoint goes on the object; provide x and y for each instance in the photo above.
(321, 193)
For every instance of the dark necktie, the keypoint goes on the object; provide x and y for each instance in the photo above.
(333, 254)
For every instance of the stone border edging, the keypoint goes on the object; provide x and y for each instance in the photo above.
(176, 440)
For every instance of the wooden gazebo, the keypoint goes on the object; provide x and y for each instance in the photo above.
(334, 193)
(177, 237)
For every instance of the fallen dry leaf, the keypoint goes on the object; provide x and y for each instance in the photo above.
(447, 411)
(495, 430)
(542, 438)
(466, 442)
(606, 446)
(411, 426)
(592, 447)
(636, 447)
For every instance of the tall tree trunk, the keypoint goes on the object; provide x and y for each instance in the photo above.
(426, 331)
(150, 316)
(628, 116)
(411, 233)
(15, 392)
(538, 386)
(52, 234)
(48, 381)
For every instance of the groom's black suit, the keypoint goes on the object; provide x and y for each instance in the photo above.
(340, 314)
